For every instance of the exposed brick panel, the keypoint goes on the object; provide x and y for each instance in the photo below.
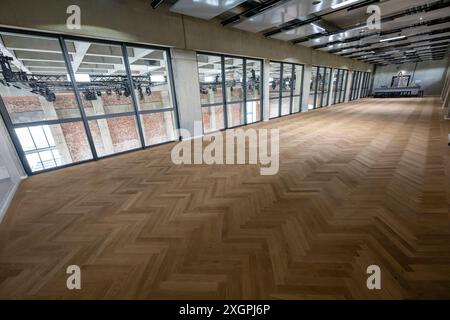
(76, 141)
(22, 104)
(206, 115)
(155, 127)
(123, 129)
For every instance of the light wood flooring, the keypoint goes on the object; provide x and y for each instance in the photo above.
(361, 183)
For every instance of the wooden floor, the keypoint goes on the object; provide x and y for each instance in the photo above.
(359, 184)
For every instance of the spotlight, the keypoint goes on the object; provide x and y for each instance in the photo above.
(141, 94)
(89, 95)
(49, 96)
(99, 93)
(148, 91)
(108, 92)
(126, 92)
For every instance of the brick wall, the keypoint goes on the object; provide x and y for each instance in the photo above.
(76, 141)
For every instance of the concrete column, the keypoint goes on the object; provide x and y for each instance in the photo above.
(187, 87)
(266, 86)
(103, 127)
(9, 160)
(306, 87)
(57, 133)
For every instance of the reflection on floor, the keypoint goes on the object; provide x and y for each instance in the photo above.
(363, 183)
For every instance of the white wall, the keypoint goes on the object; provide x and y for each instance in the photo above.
(430, 73)
(11, 171)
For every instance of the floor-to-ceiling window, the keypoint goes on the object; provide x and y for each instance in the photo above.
(339, 85)
(355, 92)
(319, 95)
(366, 85)
(230, 91)
(67, 100)
(326, 87)
(313, 88)
(286, 85)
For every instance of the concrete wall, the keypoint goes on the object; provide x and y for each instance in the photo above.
(430, 73)
(11, 171)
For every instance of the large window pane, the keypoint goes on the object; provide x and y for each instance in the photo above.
(253, 79)
(213, 118)
(34, 84)
(326, 87)
(274, 108)
(285, 106)
(253, 111)
(234, 75)
(210, 77)
(151, 78)
(297, 80)
(312, 88)
(50, 146)
(274, 79)
(113, 135)
(100, 77)
(296, 104)
(320, 86)
(287, 80)
(158, 127)
(235, 114)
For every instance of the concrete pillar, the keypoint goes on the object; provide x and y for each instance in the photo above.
(306, 86)
(103, 127)
(266, 86)
(57, 133)
(187, 87)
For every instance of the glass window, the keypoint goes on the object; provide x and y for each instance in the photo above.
(49, 146)
(313, 88)
(274, 79)
(37, 89)
(241, 102)
(326, 87)
(235, 114)
(234, 77)
(114, 135)
(287, 80)
(34, 84)
(210, 77)
(158, 127)
(297, 80)
(253, 79)
(285, 106)
(274, 108)
(213, 118)
(151, 78)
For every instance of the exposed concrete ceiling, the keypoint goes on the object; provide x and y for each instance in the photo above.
(40, 55)
(339, 26)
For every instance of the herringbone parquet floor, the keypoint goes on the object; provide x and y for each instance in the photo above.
(359, 184)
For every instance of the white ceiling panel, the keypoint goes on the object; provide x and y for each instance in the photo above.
(204, 9)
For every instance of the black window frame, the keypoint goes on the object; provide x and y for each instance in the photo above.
(291, 92)
(61, 38)
(225, 102)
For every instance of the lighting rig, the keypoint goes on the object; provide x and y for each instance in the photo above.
(253, 83)
(48, 85)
